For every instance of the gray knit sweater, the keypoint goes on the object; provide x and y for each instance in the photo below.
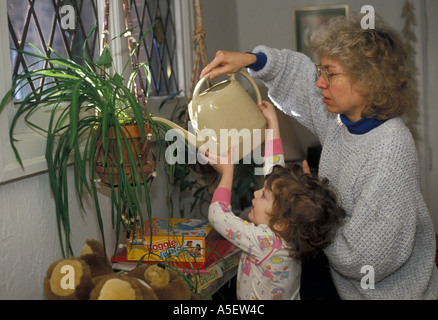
(388, 230)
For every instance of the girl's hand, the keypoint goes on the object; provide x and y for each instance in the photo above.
(306, 168)
(270, 114)
(226, 62)
(224, 166)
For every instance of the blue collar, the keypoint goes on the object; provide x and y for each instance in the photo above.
(361, 126)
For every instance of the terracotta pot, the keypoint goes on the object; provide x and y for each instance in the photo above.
(146, 161)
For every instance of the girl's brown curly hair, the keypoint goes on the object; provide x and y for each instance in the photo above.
(375, 59)
(307, 206)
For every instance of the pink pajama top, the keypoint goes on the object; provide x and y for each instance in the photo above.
(266, 270)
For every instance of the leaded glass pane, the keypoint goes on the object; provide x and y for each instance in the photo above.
(45, 24)
(158, 48)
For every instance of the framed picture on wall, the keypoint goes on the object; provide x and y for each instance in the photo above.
(306, 20)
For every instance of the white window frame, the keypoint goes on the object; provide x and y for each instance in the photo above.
(32, 144)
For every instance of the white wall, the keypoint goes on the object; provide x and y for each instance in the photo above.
(29, 238)
(240, 25)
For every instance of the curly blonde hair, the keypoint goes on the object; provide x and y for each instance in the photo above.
(307, 207)
(375, 59)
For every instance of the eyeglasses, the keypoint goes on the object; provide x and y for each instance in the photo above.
(325, 74)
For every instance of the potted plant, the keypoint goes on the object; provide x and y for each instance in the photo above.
(91, 112)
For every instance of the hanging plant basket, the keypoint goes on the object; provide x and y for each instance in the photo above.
(138, 158)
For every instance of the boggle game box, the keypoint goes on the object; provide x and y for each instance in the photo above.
(178, 241)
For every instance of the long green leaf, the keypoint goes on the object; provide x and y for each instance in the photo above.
(74, 114)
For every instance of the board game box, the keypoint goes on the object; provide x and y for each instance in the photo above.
(180, 241)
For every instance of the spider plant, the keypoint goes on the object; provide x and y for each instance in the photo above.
(88, 106)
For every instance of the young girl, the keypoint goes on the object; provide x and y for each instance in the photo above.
(293, 216)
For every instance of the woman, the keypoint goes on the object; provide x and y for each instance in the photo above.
(386, 248)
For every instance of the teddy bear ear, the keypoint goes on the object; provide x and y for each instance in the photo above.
(68, 279)
(116, 289)
(86, 249)
(92, 247)
(94, 256)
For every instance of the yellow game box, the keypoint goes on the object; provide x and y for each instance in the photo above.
(173, 240)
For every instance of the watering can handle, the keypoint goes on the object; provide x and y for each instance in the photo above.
(246, 75)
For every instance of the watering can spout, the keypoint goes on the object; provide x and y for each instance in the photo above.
(188, 136)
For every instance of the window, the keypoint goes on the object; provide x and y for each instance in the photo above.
(159, 47)
(168, 50)
(41, 24)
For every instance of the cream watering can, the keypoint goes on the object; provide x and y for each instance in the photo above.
(224, 115)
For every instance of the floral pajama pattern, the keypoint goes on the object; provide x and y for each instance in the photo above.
(266, 269)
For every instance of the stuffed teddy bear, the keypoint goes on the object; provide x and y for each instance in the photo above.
(72, 279)
(90, 277)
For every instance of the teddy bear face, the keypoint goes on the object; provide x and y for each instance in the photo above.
(117, 289)
(157, 276)
(121, 287)
(68, 279)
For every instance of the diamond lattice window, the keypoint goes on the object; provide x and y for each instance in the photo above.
(158, 48)
(41, 23)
